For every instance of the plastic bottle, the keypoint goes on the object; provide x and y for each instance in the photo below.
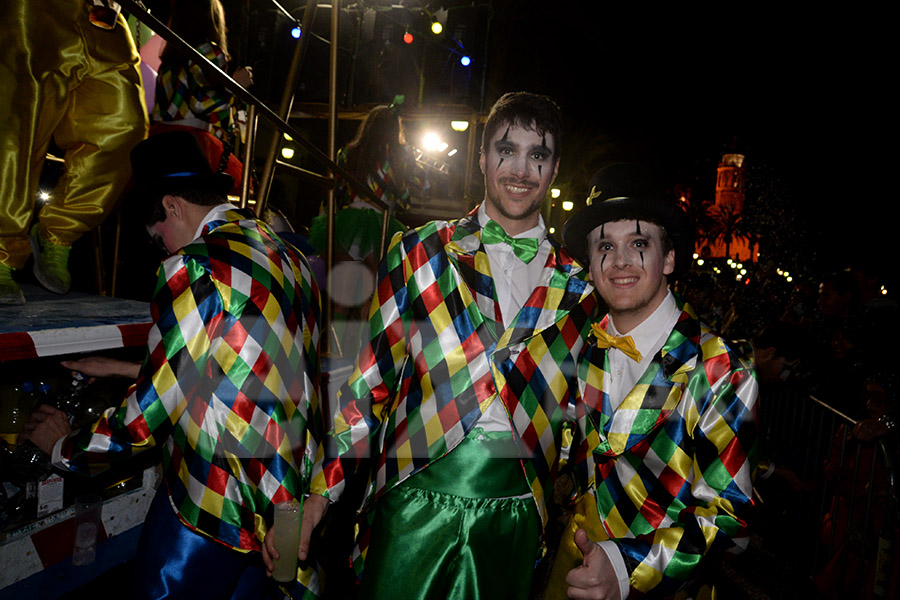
(69, 399)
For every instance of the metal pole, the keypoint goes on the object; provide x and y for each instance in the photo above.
(219, 77)
(287, 100)
(332, 153)
(248, 158)
(471, 150)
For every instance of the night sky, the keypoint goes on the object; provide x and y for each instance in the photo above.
(805, 94)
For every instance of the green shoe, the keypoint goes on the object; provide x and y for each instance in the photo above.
(10, 293)
(51, 263)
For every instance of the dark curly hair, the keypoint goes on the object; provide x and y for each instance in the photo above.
(528, 111)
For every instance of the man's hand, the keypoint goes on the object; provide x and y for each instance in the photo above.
(595, 579)
(103, 366)
(269, 553)
(314, 509)
(46, 426)
(244, 76)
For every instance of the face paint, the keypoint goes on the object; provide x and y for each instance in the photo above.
(503, 139)
(516, 181)
(632, 281)
(637, 231)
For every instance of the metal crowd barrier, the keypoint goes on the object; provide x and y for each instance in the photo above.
(833, 512)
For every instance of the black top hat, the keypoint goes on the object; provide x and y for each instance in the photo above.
(627, 191)
(174, 161)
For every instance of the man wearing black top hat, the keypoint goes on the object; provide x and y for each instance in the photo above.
(228, 388)
(671, 403)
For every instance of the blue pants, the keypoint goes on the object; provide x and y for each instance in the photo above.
(174, 562)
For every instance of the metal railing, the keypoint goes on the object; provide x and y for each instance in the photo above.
(840, 514)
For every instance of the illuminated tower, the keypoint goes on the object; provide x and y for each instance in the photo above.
(730, 181)
(727, 239)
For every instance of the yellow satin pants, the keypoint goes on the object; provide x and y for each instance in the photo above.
(63, 78)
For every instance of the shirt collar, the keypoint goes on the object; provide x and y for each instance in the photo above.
(656, 326)
(539, 231)
(216, 213)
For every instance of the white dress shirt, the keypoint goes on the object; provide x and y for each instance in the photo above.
(624, 372)
(514, 281)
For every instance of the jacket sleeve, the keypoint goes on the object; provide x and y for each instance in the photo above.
(364, 400)
(187, 312)
(712, 501)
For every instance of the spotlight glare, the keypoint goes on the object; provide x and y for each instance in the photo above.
(465, 61)
(568, 205)
(452, 152)
(459, 125)
(552, 230)
(554, 192)
(287, 152)
(700, 261)
(44, 196)
(408, 37)
(436, 27)
(432, 142)
(295, 32)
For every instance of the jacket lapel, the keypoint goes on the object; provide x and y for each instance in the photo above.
(466, 254)
(658, 391)
(558, 291)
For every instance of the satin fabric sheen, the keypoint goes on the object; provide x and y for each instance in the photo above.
(476, 542)
(174, 562)
(63, 78)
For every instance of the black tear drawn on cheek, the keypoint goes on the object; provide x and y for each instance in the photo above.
(503, 139)
(540, 170)
(602, 260)
(642, 260)
(500, 163)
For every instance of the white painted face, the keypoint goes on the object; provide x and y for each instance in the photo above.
(518, 166)
(629, 270)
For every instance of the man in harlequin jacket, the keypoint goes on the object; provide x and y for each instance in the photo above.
(229, 386)
(460, 395)
(672, 405)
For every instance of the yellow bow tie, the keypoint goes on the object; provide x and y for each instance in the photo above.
(623, 343)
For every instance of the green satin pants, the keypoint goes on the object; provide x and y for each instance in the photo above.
(437, 537)
(62, 78)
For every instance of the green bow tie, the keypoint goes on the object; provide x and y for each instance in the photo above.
(525, 248)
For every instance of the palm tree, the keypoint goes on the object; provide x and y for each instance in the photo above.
(727, 224)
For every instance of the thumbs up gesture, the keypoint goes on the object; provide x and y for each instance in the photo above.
(595, 579)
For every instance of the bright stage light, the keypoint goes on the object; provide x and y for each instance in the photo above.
(287, 152)
(554, 192)
(452, 152)
(459, 125)
(568, 205)
(436, 27)
(408, 37)
(465, 61)
(432, 142)
(295, 32)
